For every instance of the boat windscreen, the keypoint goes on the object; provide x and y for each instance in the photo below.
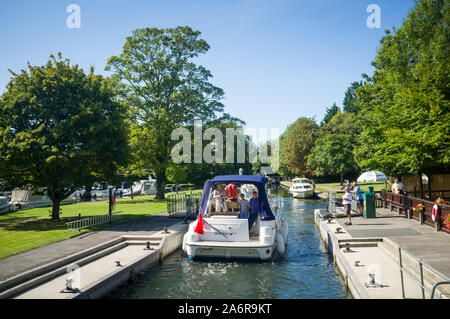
(259, 181)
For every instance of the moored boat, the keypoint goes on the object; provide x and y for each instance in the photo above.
(5, 205)
(301, 188)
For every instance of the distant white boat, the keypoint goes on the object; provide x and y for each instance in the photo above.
(25, 198)
(5, 205)
(143, 187)
(301, 188)
(100, 193)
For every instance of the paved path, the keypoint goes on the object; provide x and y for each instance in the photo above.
(422, 241)
(16, 264)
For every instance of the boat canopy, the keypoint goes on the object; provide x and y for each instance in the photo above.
(258, 181)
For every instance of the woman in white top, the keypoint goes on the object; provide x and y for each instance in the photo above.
(397, 187)
(347, 201)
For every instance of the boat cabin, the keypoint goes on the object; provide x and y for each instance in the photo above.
(208, 203)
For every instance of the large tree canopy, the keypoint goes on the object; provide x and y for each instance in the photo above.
(333, 151)
(299, 144)
(405, 116)
(333, 154)
(60, 129)
(165, 89)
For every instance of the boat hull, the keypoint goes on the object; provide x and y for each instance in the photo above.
(6, 209)
(272, 235)
(305, 194)
(202, 252)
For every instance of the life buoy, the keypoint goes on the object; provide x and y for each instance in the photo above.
(434, 212)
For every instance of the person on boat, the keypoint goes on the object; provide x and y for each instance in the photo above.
(255, 209)
(244, 206)
(347, 201)
(220, 195)
(232, 192)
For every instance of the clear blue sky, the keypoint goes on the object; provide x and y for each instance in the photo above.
(276, 60)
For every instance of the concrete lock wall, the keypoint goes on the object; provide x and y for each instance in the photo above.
(48, 280)
(388, 254)
(170, 243)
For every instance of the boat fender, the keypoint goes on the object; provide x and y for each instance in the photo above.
(184, 242)
(286, 231)
(282, 231)
(280, 244)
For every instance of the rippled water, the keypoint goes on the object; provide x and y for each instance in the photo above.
(305, 272)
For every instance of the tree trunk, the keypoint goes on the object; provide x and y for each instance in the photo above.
(342, 177)
(55, 209)
(131, 190)
(161, 180)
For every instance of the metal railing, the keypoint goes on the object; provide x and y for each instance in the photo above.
(421, 282)
(332, 202)
(92, 221)
(354, 206)
(436, 285)
(184, 204)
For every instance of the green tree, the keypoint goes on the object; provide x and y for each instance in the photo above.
(341, 123)
(351, 103)
(405, 115)
(283, 169)
(60, 129)
(329, 113)
(299, 144)
(333, 155)
(164, 89)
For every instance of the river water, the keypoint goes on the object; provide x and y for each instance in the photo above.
(306, 272)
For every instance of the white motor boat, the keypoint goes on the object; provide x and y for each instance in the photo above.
(148, 187)
(27, 198)
(5, 205)
(220, 235)
(301, 188)
(143, 187)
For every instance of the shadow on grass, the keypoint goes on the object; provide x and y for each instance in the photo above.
(40, 224)
(128, 222)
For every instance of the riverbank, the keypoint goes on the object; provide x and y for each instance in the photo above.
(375, 246)
(41, 273)
(32, 228)
(336, 187)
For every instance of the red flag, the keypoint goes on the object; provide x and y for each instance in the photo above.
(199, 228)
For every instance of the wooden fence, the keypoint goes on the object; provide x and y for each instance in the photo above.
(405, 204)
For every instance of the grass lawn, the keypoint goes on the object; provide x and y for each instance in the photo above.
(27, 229)
(378, 186)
